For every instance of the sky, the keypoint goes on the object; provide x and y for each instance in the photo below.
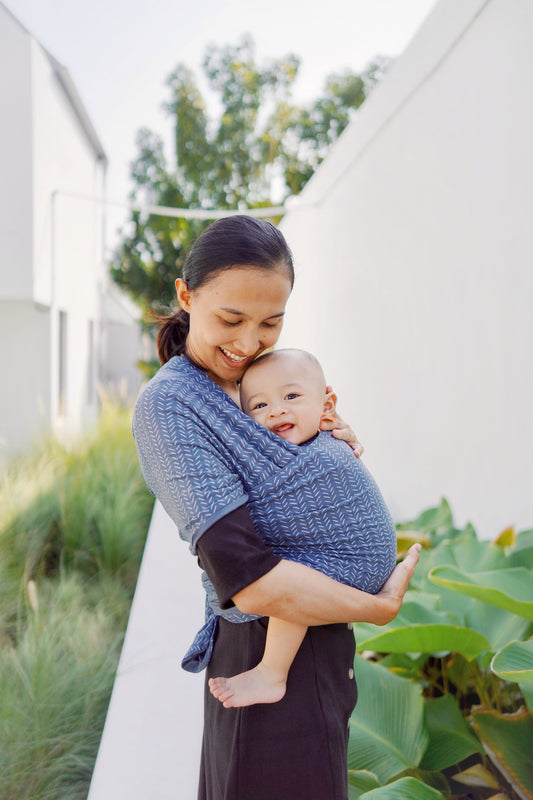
(119, 52)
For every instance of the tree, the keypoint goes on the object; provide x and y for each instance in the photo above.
(258, 144)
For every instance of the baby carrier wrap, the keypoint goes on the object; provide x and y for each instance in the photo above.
(315, 503)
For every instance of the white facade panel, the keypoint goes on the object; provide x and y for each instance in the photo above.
(25, 397)
(68, 185)
(51, 233)
(413, 282)
(16, 168)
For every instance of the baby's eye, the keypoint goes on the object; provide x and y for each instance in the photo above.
(292, 396)
(258, 406)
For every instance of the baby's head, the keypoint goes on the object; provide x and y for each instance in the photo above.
(286, 392)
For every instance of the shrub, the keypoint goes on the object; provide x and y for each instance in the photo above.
(85, 508)
(54, 690)
(447, 702)
(73, 521)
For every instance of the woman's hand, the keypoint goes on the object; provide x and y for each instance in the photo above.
(393, 590)
(340, 429)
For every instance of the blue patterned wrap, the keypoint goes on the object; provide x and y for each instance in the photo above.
(316, 504)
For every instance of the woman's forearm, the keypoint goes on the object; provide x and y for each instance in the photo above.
(300, 594)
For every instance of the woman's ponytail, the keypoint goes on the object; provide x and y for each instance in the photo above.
(172, 335)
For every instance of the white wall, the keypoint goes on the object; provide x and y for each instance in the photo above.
(51, 239)
(15, 147)
(69, 270)
(413, 244)
(68, 180)
(25, 407)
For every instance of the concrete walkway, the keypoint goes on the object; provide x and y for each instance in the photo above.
(151, 742)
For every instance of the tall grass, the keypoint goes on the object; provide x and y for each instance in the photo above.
(73, 521)
(79, 508)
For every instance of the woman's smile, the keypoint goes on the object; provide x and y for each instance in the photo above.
(234, 359)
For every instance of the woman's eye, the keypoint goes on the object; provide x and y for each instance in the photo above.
(230, 324)
(271, 324)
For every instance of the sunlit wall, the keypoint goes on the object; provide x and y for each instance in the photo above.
(414, 286)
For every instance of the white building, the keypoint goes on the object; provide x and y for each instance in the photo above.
(52, 273)
(414, 285)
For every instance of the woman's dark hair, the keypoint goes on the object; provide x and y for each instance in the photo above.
(226, 243)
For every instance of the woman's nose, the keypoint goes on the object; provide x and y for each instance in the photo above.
(247, 343)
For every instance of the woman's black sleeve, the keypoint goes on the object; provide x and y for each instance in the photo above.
(233, 555)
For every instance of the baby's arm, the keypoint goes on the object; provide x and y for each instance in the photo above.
(267, 682)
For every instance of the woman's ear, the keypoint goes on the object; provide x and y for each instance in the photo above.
(183, 293)
(329, 414)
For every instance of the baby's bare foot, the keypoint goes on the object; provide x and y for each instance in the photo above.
(258, 685)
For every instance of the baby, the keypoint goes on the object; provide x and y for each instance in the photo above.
(285, 391)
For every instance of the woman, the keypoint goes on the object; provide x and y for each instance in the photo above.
(202, 458)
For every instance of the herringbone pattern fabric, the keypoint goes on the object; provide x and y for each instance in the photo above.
(316, 504)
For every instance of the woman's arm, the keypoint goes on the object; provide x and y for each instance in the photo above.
(300, 594)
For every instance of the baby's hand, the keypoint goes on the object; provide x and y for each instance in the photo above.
(340, 429)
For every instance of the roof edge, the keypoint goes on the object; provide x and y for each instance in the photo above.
(69, 88)
(64, 78)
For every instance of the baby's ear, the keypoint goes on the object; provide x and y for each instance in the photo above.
(330, 405)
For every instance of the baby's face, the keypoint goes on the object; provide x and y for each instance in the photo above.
(287, 395)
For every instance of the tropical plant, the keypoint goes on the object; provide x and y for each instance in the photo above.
(259, 144)
(446, 689)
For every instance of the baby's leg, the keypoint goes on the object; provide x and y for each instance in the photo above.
(265, 683)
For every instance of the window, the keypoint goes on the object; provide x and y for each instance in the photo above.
(90, 362)
(62, 373)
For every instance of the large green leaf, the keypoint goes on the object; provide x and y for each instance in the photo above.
(508, 740)
(515, 663)
(450, 738)
(444, 554)
(387, 730)
(473, 555)
(511, 589)
(406, 665)
(432, 638)
(359, 782)
(527, 694)
(404, 789)
(418, 608)
(521, 555)
(524, 540)
(431, 520)
(498, 625)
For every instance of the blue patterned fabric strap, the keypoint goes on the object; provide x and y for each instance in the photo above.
(316, 504)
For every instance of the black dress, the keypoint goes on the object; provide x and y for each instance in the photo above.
(291, 750)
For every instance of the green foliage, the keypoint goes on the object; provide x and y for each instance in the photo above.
(508, 738)
(509, 589)
(85, 508)
(54, 690)
(386, 744)
(73, 520)
(256, 144)
(514, 662)
(403, 788)
(463, 640)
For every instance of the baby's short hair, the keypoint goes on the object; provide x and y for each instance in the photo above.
(291, 352)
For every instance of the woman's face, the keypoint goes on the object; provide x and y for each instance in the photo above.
(233, 318)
